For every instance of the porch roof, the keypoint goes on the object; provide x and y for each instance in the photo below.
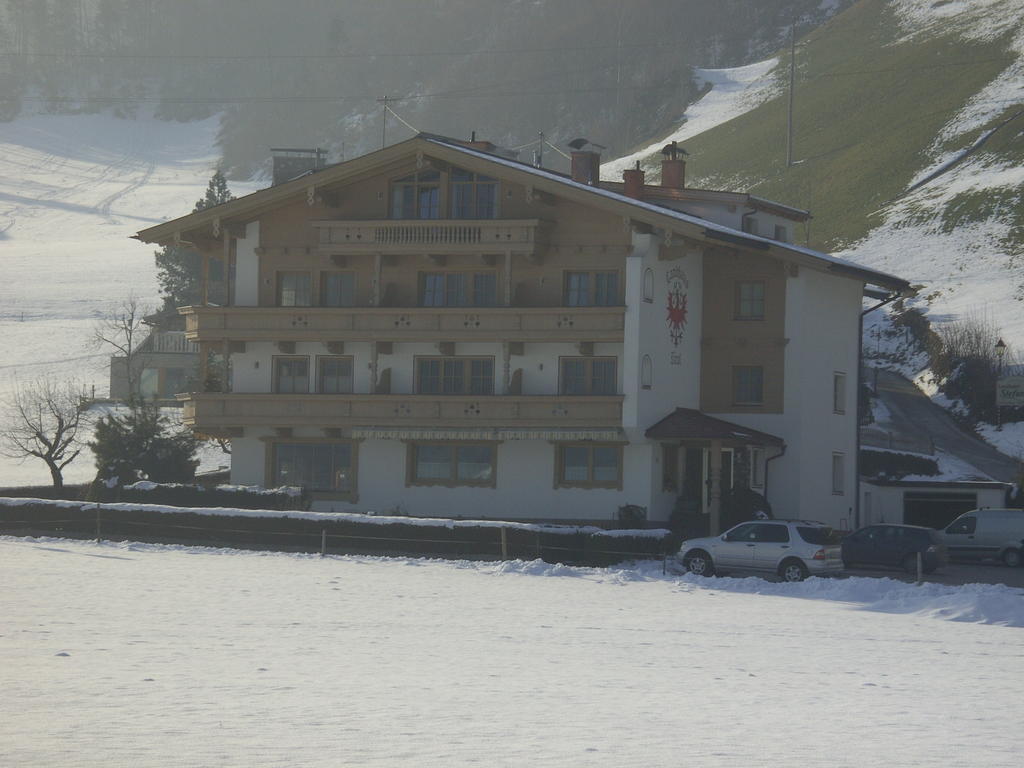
(690, 424)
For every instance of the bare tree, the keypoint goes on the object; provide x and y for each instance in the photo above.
(121, 329)
(42, 419)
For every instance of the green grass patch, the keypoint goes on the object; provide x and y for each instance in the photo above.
(866, 110)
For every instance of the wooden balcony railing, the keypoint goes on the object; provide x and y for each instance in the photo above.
(417, 235)
(549, 324)
(214, 411)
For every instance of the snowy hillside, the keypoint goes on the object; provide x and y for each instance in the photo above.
(889, 94)
(967, 261)
(72, 191)
(218, 657)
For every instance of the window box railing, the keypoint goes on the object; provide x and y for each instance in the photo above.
(415, 235)
(218, 324)
(213, 411)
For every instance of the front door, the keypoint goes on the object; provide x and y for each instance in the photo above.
(727, 473)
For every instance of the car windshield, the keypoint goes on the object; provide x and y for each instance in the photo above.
(818, 536)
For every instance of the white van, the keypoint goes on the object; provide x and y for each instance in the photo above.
(987, 534)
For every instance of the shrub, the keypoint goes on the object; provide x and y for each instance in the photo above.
(142, 444)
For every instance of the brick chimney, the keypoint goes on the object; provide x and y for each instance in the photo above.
(673, 166)
(673, 173)
(586, 167)
(633, 179)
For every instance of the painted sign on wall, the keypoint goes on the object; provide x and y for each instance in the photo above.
(678, 285)
(1010, 390)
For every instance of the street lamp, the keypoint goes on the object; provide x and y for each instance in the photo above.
(1000, 351)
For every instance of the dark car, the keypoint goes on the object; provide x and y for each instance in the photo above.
(896, 546)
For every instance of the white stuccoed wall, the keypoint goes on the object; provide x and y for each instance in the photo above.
(822, 315)
(247, 267)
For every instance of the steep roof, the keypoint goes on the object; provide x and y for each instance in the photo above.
(249, 206)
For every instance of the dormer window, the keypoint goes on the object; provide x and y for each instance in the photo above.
(417, 196)
(474, 196)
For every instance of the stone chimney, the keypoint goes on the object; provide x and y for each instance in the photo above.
(586, 167)
(673, 166)
(633, 179)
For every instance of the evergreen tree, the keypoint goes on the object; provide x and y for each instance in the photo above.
(142, 444)
(178, 269)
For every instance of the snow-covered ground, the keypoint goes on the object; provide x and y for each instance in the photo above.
(72, 191)
(733, 92)
(145, 655)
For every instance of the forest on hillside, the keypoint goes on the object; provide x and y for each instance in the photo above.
(311, 72)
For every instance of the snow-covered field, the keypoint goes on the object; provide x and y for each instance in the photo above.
(72, 191)
(145, 655)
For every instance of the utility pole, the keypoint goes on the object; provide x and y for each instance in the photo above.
(383, 120)
(792, 83)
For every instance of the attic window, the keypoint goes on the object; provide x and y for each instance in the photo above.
(474, 196)
(417, 196)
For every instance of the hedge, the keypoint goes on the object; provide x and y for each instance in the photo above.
(346, 533)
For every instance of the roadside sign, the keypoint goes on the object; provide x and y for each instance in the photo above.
(1010, 390)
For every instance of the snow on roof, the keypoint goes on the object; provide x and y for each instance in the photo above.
(870, 275)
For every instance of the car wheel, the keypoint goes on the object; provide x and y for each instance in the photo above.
(910, 562)
(793, 570)
(698, 562)
(1012, 558)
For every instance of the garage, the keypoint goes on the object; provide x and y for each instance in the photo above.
(936, 509)
(932, 504)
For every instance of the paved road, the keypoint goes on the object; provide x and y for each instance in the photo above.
(916, 419)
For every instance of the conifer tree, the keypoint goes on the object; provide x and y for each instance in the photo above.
(142, 444)
(177, 267)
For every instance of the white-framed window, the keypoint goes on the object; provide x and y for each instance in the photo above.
(839, 392)
(757, 467)
(838, 473)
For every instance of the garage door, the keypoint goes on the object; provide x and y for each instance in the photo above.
(936, 510)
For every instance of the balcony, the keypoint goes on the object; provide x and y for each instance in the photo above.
(217, 411)
(424, 324)
(428, 236)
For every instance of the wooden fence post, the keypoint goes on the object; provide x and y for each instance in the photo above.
(504, 543)
(323, 542)
(98, 540)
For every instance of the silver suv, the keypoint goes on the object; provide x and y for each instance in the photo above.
(792, 549)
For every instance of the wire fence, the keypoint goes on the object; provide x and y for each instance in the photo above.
(495, 542)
